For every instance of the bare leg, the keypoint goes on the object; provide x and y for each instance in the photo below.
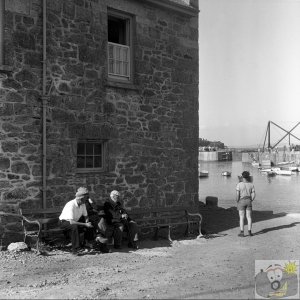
(249, 219)
(242, 218)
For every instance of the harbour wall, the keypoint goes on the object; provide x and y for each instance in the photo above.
(275, 156)
(248, 157)
(215, 155)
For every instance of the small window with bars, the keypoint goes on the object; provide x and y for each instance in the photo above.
(90, 155)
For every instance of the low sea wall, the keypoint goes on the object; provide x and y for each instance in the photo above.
(208, 156)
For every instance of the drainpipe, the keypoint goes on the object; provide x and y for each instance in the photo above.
(2, 5)
(44, 104)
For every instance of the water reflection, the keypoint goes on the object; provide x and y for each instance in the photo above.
(279, 193)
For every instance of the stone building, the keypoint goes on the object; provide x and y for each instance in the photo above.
(98, 93)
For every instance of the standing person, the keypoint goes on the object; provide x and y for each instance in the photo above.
(245, 194)
(74, 219)
(116, 220)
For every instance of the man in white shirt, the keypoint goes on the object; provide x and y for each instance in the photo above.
(74, 219)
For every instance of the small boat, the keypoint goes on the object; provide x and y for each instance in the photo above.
(270, 170)
(203, 173)
(284, 163)
(271, 173)
(283, 172)
(256, 164)
(266, 163)
(293, 169)
(226, 173)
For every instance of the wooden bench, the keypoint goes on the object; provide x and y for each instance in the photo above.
(44, 223)
(41, 223)
(167, 217)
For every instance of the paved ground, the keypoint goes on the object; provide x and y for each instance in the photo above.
(219, 266)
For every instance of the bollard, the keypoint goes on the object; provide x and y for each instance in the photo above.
(211, 201)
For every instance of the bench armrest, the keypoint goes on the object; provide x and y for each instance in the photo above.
(26, 220)
(200, 221)
(194, 215)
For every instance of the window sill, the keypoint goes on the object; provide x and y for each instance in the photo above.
(83, 171)
(5, 68)
(121, 85)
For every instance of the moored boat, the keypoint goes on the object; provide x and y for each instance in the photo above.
(285, 163)
(256, 164)
(277, 171)
(283, 172)
(226, 173)
(271, 173)
(270, 170)
(203, 173)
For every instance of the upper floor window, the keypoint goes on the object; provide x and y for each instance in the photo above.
(119, 29)
(90, 155)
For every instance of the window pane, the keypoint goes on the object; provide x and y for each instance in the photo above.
(80, 162)
(110, 51)
(89, 149)
(125, 54)
(111, 66)
(116, 30)
(97, 149)
(97, 161)
(118, 67)
(125, 69)
(89, 161)
(80, 148)
(118, 53)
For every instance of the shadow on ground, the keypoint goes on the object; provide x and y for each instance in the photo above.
(217, 219)
(265, 230)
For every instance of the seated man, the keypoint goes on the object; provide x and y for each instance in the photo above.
(95, 216)
(74, 219)
(116, 220)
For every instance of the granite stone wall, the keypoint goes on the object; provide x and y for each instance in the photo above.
(150, 126)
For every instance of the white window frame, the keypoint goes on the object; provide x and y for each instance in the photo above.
(103, 156)
(113, 75)
(119, 58)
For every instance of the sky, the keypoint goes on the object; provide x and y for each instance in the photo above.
(249, 70)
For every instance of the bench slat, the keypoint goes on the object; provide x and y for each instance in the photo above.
(36, 211)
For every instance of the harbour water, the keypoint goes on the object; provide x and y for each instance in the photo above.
(280, 194)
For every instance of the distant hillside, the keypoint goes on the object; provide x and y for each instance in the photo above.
(214, 144)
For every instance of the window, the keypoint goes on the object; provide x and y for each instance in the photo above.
(90, 155)
(119, 46)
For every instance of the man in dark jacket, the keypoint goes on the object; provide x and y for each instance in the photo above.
(95, 216)
(116, 220)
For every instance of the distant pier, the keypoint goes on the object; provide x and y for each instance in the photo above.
(215, 155)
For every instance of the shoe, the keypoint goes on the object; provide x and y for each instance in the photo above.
(89, 245)
(241, 234)
(133, 245)
(75, 253)
(102, 248)
(105, 249)
(117, 247)
(250, 233)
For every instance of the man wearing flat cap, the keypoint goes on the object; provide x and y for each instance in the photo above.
(74, 219)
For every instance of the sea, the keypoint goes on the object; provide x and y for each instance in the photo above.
(280, 193)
